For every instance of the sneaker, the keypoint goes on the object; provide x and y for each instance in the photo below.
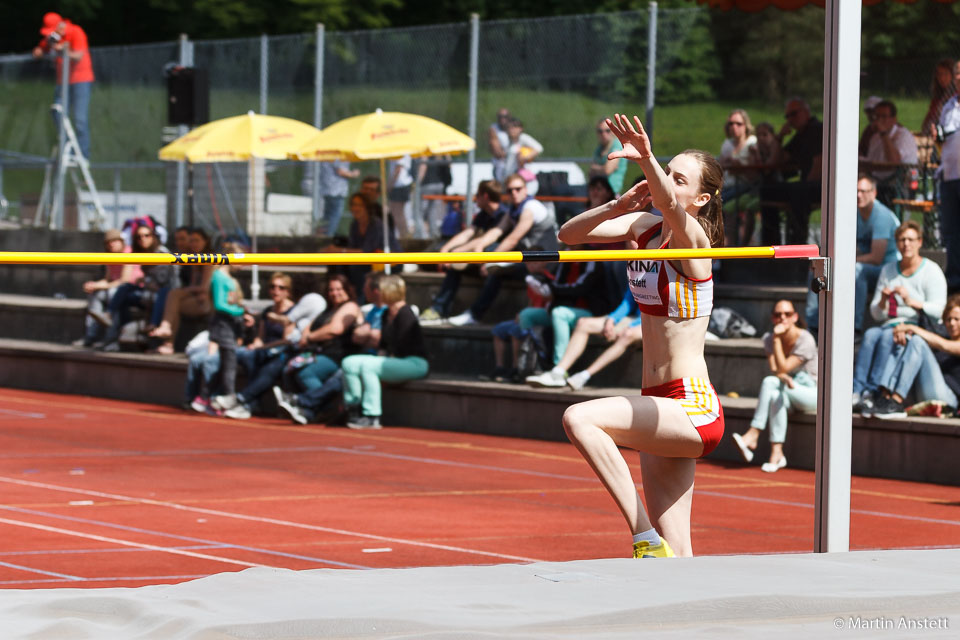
(499, 374)
(889, 409)
(430, 318)
(224, 403)
(644, 549)
(773, 467)
(462, 320)
(238, 412)
(200, 404)
(745, 451)
(287, 402)
(550, 378)
(866, 404)
(578, 380)
(364, 422)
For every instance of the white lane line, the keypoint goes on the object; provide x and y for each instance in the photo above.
(22, 414)
(128, 543)
(274, 521)
(40, 571)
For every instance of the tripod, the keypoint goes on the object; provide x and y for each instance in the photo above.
(67, 158)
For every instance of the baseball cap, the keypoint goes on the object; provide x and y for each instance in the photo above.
(112, 234)
(50, 22)
(871, 102)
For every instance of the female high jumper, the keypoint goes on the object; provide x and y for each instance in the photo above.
(677, 418)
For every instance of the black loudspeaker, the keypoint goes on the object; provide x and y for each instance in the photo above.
(188, 96)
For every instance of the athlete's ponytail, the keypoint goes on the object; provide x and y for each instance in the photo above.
(711, 182)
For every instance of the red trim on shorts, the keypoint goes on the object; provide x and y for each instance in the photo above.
(710, 434)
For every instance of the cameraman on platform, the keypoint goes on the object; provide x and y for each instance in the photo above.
(56, 32)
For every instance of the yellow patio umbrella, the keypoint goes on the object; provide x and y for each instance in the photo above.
(242, 139)
(384, 135)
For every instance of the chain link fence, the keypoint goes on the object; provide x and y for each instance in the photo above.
(558, 75)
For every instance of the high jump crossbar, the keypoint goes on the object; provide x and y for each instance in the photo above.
(476, 257)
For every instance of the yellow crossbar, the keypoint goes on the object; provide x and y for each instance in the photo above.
(281, 259)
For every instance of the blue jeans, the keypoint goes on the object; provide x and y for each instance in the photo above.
(332, 211)
(916, 363)
(776, 399)
(875, 350)
(314, 374)
(491, 288)
(264, 368)
(79, 99)
(202, 368)
(865, 281)
(950, 229)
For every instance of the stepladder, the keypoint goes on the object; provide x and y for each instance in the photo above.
(68, 160)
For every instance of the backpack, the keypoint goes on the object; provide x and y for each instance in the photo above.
(532, 357)
(727, 323)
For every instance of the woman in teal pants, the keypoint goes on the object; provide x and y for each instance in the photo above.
(401, 357)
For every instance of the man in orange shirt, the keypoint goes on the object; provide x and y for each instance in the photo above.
(56, 32)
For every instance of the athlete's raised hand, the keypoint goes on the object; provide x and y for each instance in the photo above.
(636, 143)
(634, 199)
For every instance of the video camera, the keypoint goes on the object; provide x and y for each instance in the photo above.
(53, 38)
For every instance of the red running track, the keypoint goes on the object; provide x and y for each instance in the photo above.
(101, 493)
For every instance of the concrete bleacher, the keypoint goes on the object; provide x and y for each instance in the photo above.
(35, 332)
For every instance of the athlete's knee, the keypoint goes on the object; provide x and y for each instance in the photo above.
(577, 422)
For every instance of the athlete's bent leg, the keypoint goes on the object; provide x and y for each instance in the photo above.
(658, 426)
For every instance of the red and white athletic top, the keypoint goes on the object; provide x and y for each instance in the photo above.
(661, 290)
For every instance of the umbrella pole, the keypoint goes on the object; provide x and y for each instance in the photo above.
(252, 209)
(386, 211)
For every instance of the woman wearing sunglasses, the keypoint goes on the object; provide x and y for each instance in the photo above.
(792, 383)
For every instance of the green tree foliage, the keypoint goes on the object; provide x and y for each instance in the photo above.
(770, 54)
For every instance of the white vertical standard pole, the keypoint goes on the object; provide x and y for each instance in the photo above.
(186, 60)
(317, 121)
(651, 69)
(841, 101)
(472, 113)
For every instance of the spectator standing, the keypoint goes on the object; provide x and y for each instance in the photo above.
(950, 184)
(58, 32)
(804, 152)
(398, 194)
(792, 358)
(99, 292)
(924, 360)
(891, 144)
(522, 150)
(334, 181)
(526, 223)
(613, 170)
(498, 140)
(868, 106)
(482, 233)
(433, 178)
(226, 326)
(906, 289)
(942, 88)
(402, 357)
